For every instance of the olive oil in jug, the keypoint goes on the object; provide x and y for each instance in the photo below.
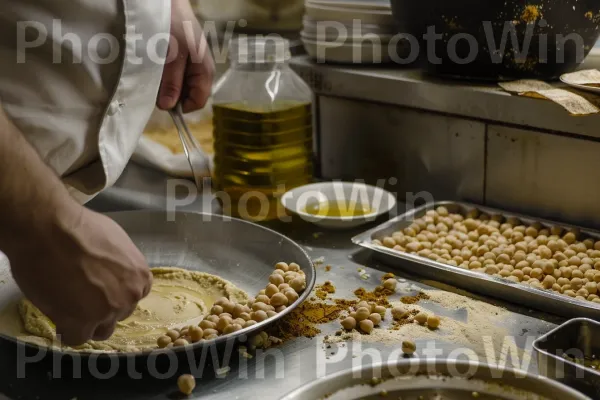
(262, 130)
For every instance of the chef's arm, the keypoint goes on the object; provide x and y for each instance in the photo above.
(77, 266)
(31, 195)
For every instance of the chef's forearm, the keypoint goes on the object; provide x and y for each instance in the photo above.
(32, 197)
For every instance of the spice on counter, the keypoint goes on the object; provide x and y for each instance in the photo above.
(303, 320)
(530, 14)
(378, 296)
(328, 268)
(414, 299)
(324, 290)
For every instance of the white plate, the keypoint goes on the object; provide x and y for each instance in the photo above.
(347, 53)
(355, 27)
(379, 200)
(327, 13)
(352, 4)
(348, 38)
(581, 87)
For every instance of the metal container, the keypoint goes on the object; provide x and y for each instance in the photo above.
(414, 379)
(543, 300)
(578, 338)
(467, 36)
(238, 251)
(259, 15)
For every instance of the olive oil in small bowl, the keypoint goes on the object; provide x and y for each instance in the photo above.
(338, 205)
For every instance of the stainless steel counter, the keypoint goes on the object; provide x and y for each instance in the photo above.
(279, 370)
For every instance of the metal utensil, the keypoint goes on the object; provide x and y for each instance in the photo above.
(194, 154)
(579, 338)
(241, 252)
(414, 379)
(543, 300)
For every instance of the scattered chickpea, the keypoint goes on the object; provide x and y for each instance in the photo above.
(433, 321)
(186, 384)
(409, 347)
(349, 323)
(375, 318)
(366, 325)
(421, 318)
(390, 284)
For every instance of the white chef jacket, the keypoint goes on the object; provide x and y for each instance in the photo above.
(82, 99)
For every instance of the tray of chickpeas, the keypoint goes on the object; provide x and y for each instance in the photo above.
(536, 263)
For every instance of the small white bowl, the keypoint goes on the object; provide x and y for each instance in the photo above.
(380, 201)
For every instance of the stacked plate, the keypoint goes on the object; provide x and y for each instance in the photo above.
(349, 31)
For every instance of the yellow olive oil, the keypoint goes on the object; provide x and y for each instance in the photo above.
(261, 152)
(338, 209)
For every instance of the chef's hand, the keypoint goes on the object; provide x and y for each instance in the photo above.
(188, 73)
(84, 273)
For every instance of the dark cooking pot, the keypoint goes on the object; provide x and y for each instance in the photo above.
(560, 34)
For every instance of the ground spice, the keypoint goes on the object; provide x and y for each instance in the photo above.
(409, 319)
(328, 268)
(324, 290)
(378, 296)
(303, 320)
(414, 299)
(530, 14)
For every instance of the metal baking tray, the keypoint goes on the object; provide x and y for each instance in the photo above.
(543, 300)
(416, 379)
(579, 338)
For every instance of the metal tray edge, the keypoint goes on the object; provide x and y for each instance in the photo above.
(364, 240)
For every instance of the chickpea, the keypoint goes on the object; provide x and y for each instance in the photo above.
(249, 322)
(590, 275)
(232, 328)
(210, 332)
(542, 240)
(349, 323)
(491, 270)
(518, 274)
(548, 268)
(565, 271)
(527, 271)
(531, 231)
(375, 318)
(390, 284)
(570, 237)
(421, 318)
(164, 341)
(186, 384)
(379, 310)
(548, 282)
(279, 299)
(399, 312)
(409, 347)
(362, 313)
(263, 298)
(583, 293)
(173, 334)
(591, 287)
(556, 287)
(366, 325)
(298, 284)
(575, 273)
(180, 342)
(259, 316)
(576, 283)
(584, 268)
(433, 321)
(474, 265)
